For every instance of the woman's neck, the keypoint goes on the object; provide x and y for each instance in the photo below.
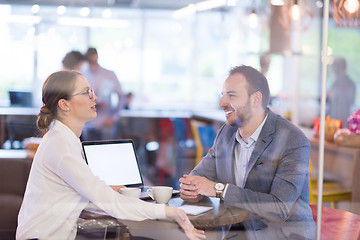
(74, 126)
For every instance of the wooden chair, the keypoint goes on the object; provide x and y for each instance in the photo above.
(13, 178)
(199, 148)
(204, 135)
(332, 192)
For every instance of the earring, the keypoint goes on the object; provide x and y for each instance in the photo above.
(68, 109)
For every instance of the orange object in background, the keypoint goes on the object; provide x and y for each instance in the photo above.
(316, 126)
(331, 126)
(31, 145)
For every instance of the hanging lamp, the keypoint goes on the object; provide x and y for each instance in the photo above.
(346, 13)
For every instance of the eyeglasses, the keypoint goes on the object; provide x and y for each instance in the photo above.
(90, 92)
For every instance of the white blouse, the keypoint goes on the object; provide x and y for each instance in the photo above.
(61, 185)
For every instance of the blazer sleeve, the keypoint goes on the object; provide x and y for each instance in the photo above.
(72, 169)
(207, 165)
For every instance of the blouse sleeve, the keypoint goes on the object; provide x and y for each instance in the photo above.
(74, 171)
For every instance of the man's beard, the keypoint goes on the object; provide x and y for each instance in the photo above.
(243, 114)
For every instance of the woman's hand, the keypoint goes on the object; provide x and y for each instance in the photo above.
(117, 188)
(181, 218)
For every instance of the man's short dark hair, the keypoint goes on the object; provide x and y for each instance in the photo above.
(72, 59)
(90, 52)
(256, 82)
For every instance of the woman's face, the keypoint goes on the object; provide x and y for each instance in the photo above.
(81, 106)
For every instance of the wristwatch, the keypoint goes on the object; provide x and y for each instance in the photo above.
(219, 188)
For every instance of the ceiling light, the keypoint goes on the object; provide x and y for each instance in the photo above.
(35, 9)
(295, 11)
(253, 19)
(61, 10)
(22, 19)
(295, 15)
(351, 5)
(277, 2)
(85, 11)
(319, 4)
(210, 4)
(201, 6)
(93, 22)
(106, 13)
(346, 13)
(183, 12)
(231, 3)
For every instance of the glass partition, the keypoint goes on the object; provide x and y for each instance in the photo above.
(171, 64)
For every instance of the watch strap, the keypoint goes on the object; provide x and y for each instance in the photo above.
(218, 194)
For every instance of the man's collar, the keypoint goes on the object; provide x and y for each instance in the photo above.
(256, 133)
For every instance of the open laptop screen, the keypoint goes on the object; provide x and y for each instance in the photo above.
(114, 162)
(20, 98)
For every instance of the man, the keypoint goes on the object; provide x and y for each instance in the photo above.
(264, 63)
(73, 60)
(258, 162)
(107, 87)
(342, 93)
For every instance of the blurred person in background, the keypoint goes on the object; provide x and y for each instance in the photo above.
(128, 100)
(61, 184)
(111, 99)
(73, 60)
(264, 63)
(341, 95)
(264, 68)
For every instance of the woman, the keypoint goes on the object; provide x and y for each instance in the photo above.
(60, 183)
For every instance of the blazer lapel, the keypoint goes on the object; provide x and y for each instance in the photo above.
(263, 141)
(228, 174)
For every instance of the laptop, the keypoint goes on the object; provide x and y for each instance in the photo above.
(116, 163)
(20, 98)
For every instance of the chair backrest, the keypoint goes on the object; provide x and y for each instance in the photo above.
(312, 197)
(204, 136)
(196, 135)
(14, 174)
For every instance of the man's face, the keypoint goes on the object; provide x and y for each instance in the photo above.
(235, 100)
(93, 59)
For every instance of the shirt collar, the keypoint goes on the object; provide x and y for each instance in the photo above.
(64, 130)
(255, 135)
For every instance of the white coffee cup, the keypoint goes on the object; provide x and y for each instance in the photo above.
(160, 194)
(131, 192)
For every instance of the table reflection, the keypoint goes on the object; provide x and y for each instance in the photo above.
(221, 222)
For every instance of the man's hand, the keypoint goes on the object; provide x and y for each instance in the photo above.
(192, 188)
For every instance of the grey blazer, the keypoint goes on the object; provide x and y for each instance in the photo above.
(277, 177)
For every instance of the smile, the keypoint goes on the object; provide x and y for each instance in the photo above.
(228, 112)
